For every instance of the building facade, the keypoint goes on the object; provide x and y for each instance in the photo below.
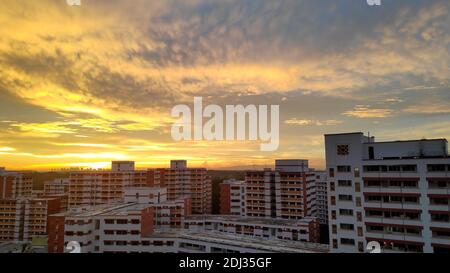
(394, 193)
(91, 188)
(15, 185)
(304, 230)
(321, 184)
(56, 186)
(22, 219)
(288, 192)
(129, 228)
(182, 181)
(232, 197)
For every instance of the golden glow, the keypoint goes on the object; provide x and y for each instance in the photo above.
(97, 83)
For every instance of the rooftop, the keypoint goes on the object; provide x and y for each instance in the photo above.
(252, 220)
(268, 245)
(411, 140)
(108, 209)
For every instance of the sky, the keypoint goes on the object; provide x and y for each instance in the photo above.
(83, 85)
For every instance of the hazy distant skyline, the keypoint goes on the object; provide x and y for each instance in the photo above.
(81, 86)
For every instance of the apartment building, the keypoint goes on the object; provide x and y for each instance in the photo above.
(56, 186)
(22, 219)
(129, 228)
(396, 193)
(15, 185)
(288, 192)
(304, 230)
(168, 214)
(232, 197)
(321, 185)
(113, 227)
(93, 226)
(106, 187)
(182, 181)
(95, 187)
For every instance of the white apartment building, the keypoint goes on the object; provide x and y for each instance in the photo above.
(396, 193)
(129, 228)
(321, 185)
(304, 230)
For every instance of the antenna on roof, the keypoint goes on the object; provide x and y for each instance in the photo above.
(368, 135)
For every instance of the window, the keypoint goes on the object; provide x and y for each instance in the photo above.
(333, 200)
(438, 217)
(358, 201)
(360, 231)
(436, 167)
(409, 168)
(346, 241)
(357, 187)
(370, 169)
(331, 171)
(333, 214)
(356, 172)
(332, 187)
(334, 229)
(346, 212)
(360, 246)
(347, 226)
(394, 168)
(344, 169)
(342, 150)
(335, 243)
(371, 153)
(359, 216)
(345, 197)
(344, 183)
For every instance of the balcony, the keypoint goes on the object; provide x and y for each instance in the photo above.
(394, 236)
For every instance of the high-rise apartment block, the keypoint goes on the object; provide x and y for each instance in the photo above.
(395, 193)
(21, 219)
(232, 197)
(288, 192)
(14, 184)
(182, 181)
(321, 183)
(106, 187)
(93, 187)
(102, 228)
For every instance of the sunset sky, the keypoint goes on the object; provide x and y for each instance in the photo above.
(81, 86)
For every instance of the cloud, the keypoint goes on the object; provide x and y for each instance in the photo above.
(109, 71)
(364, 111)
(309, 122)
(429, 108)
(393, 100)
